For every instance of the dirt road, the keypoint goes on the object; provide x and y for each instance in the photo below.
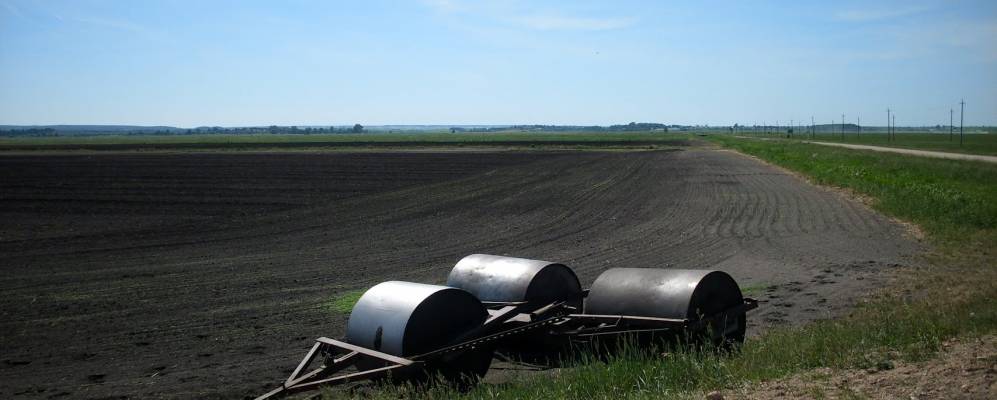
(206, 275)
(912, 152)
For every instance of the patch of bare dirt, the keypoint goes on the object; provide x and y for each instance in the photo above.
(913, 231)
(964, 369)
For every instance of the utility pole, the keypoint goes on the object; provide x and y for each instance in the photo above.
(888, 131)
(951, 128)
(894, 127)
(813, 128)
(962, 107)
(842, 127)
(858, 127)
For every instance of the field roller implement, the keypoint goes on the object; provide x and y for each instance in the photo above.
(411, 331)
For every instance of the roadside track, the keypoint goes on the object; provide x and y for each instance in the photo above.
(912, 152)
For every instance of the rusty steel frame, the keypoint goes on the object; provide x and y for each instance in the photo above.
(320, 376)
(297, 381)
(557, 315)
(588, 325)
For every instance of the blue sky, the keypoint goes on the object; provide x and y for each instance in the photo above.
(235, 63)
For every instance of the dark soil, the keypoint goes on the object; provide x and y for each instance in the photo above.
(206, 275)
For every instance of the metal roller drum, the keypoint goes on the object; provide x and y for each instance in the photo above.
(668, 293)
(510, 279)
(407, 319)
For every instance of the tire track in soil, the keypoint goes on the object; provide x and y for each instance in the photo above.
(208, 278)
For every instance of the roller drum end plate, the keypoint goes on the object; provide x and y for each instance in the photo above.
(406, 319)
(669, 293)
(510, 279)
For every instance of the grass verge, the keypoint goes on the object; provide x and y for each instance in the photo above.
(953, 293)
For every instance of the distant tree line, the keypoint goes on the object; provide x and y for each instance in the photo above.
(273, 130)
(29, 132)
(277, 130)
(633, 126)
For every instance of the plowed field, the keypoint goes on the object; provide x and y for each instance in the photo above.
(207, 275)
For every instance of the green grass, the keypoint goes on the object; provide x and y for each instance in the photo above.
(343, 302)
(754, 290)
(953, 293)
(985, 144)
(332, 139)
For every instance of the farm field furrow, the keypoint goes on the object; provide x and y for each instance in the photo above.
(206, 275)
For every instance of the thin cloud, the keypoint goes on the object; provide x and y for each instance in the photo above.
(111, 24)
(445, 6)
(968, 38)
(526, 15)
(879, 14)
(12, 9)
(554, 22)
(119, 25)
